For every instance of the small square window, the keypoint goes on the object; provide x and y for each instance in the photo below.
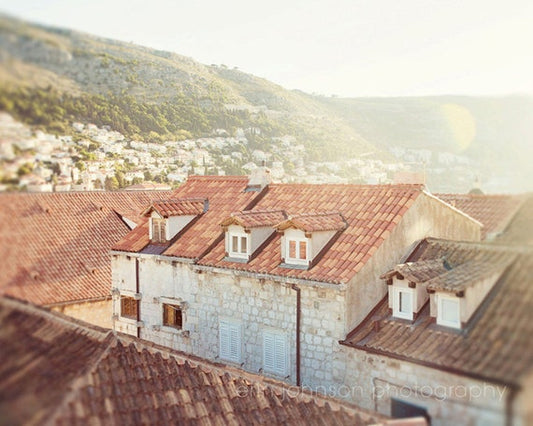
(172, 316)
(296, 251)
(448, 312)
(238, 245)
(128, 307)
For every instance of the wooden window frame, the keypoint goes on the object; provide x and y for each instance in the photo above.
(131, 305)
(172, 316)
(159, 230)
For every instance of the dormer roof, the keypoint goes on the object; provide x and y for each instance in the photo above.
(494, 346)
(255, 218)
(313, 222)
(178, 207)
(419, 272)
(470, 273)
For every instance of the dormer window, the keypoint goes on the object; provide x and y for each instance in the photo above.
(168, 218)
(297, 251)
(304, 236)
(159, 230)
(246, 231)
(402, 306)
(448, 312)
(239, 244)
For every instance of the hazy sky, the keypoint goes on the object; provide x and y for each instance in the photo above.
(344, 47)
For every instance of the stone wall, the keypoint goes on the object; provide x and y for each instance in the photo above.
(257, 304)
(97, 313)
(373, 380)
(427, 217)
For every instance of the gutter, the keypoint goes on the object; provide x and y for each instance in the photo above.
(509, 411)
(137, 290)
(75, 302)
(278, 278)
(298, 321)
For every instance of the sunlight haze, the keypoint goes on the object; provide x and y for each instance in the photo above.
(344, 47)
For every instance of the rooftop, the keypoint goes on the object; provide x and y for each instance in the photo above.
(497, 343)
(57, 370)
(493, 211)
(363, 215)
(55, 246)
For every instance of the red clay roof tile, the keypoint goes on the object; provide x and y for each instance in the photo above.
(496, 345)
(56, 245)
(82, 374)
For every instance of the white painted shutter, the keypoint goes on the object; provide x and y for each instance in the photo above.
(275, 353)
(268, 351)
(230, 341)
(280, 354)
(235, 342)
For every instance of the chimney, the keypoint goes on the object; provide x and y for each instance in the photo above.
(206, 204)
(259, 179)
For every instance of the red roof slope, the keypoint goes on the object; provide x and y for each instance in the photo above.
(55, 246)
(59, 371)
(255, 218)
(371, 212)
(311, 222)
(497, 343)
(493, 211)
(226, 194)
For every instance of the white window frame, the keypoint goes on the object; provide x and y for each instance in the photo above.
(275, 353)
(297, 260)
(440, 310)
(230, 340)
(396, 302)
(240, 236)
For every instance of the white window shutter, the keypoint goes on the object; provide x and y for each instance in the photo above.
(281, 354)
(275, 353)
(230, 341)
(268, 351)
(224, 337)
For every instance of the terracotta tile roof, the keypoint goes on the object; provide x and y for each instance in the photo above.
(56, 370)
(371, 212)
(469, 273)
(225, 194)
(311, 222)
(55, 246)
(255, 218)
(493, 211)
(497, 343)
(419, 272)
(178, 207)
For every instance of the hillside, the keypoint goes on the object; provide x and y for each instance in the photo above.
(139, 90)
(50, 78)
